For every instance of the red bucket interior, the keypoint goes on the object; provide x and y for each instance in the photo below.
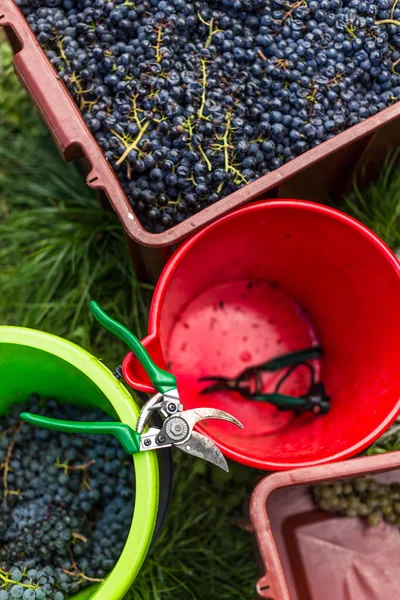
(269, 279)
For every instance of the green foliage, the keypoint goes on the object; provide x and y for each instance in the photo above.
(388, 442)
(378, 206)
(16, 112)
(59, 250)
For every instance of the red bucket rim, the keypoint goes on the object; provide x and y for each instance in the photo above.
(168, 273)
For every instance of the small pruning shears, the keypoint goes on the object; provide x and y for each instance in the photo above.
(177, 428)
(249, 383)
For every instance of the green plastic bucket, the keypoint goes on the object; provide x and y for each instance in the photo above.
(36, 362)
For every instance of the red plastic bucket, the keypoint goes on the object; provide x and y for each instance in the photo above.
(274, 277)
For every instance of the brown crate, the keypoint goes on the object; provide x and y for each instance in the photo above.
(283, 570)
(323, 171)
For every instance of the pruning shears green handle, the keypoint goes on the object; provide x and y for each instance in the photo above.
(163, 381)
(127, 437)
(299, 404)
(291, 359)
(177, 428)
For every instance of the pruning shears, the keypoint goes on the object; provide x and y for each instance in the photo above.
(249, 383)
(177, 428)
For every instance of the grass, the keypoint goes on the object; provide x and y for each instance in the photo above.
(58, 250)
(378, 206)
(14, 102)
(201, 553)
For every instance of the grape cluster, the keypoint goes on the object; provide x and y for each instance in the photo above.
(190, 99)
(66, 504)
(365, 498)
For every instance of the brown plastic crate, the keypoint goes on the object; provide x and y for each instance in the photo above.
(282, 559)
(322, 171)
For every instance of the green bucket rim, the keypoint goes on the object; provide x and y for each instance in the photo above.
(140, 535)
